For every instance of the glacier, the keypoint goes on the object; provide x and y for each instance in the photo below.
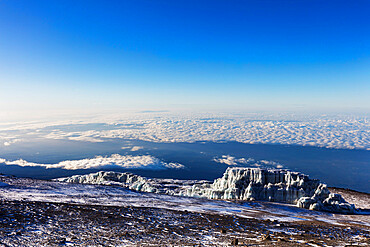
(237, 183)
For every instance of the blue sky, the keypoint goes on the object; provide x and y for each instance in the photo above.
(242, 55)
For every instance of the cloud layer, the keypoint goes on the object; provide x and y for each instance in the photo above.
(337, 131)
(115, 160)
(327, 132)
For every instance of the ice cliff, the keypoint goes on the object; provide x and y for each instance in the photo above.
(273, 185)
(238, 184)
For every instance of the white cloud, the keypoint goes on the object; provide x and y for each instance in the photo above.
(10, 142)
(233, 161)
(322, 131)
(340, 131)
(133, 149)
(115, 160)
(136, 148)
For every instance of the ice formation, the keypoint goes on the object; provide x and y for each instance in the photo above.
(236, 184)
(274, 185)
(136, 182)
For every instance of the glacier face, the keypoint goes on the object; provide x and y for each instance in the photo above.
(274, 185)
(237, 183)
(261, 184)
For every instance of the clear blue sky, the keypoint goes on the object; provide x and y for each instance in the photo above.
(279, 55)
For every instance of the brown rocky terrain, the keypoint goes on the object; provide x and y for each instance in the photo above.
(61, 224)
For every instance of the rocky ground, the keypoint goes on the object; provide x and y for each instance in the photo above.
(41, 213)
(55, 224)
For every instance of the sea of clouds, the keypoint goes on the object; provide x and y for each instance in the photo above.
(115, 160)
(345, 131)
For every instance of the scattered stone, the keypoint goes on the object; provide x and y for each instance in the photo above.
(282, 240)
(235, 241)
(266, 237)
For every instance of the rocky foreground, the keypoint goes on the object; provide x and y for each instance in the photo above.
(48, 213)
(61, 224)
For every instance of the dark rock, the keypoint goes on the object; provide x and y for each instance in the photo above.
(235, 241)
(266, 237)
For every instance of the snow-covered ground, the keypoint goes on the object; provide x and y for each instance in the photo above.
(51, 191)
(41, 212)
